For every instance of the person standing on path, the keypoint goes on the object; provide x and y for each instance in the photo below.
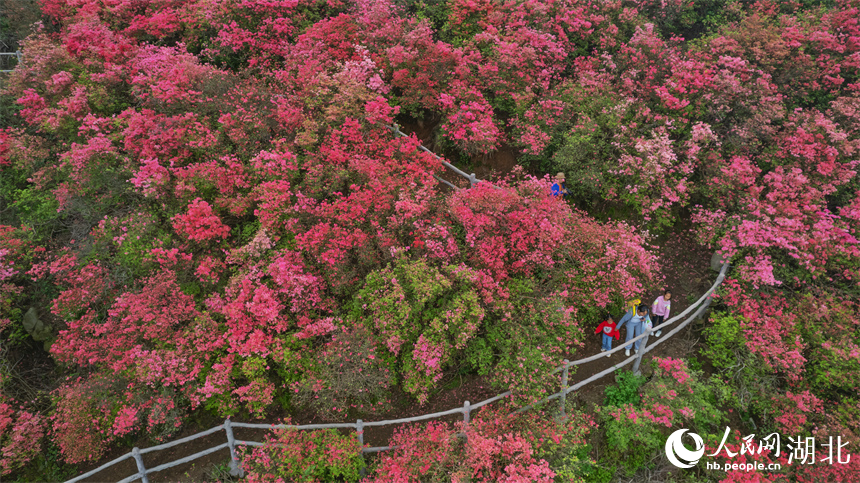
(558, 188)
(635, 326)
(660, 308)
(609, 331)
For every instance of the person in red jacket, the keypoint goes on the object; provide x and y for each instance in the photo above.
(609, 330)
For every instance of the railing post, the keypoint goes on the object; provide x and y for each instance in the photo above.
(235, 470)
(359, 429)
(140, 467)
(638, 360)
(472, 180)
(563, 398)
(706, 304)
(467, 409)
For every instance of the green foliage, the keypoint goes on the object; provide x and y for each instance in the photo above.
(743, 378)
(831, 370)
(673, 397)
(725, 340)
(305, 456)
(190, 288)
(347, 378)
(423, 315)
(36, 208)
(634, 443)
(577, 466)
(598, 474)
(691, 19)
(220, 473)
(104, 101)
(587, 153)
(48, 465)
(525, 339)
(247, 231)
(731, 11)
(130, 239)
(433, 11)
(221, 405)
(625, 390)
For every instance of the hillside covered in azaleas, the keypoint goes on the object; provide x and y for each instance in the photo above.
(203, 205)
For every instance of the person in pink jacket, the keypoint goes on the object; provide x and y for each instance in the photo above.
(660, 310)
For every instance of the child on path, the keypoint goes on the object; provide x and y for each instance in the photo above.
(608, 329)
(660, 308)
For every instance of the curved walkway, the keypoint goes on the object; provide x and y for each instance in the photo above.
(697, 309)
(136, 454)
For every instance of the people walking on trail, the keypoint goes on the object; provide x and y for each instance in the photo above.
(636, 323)
(660, 310)
(558, 188)
(609, 331)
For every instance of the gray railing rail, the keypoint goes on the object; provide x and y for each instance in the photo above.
(700, 306)
(473, 180)
(17, 54)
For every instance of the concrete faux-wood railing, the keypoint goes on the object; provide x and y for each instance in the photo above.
(5, 56)
(697, 308)
(473, 180)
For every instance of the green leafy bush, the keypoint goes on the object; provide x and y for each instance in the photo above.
(742, 379)
(527, 337)
(347, 376)
(304, 456)
(673, 397)
(423, 316)
(725, 340)
(625, 391)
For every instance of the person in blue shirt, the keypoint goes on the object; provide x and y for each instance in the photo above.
(636, 324)
(558, 188)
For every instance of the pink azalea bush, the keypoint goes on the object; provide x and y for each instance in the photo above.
(674, 397)
(310, 456)
(216, 204)
(495, 447)
(20, 434)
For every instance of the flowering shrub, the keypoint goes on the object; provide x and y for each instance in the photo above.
(423, 317)
(470, 124)
(348, 376)
(512, 231)
(20, 434)
(829, 366)
(500, 448)
(17, 254)
(307, 456)
(674, 397)
(525, 342)
(200, 223)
